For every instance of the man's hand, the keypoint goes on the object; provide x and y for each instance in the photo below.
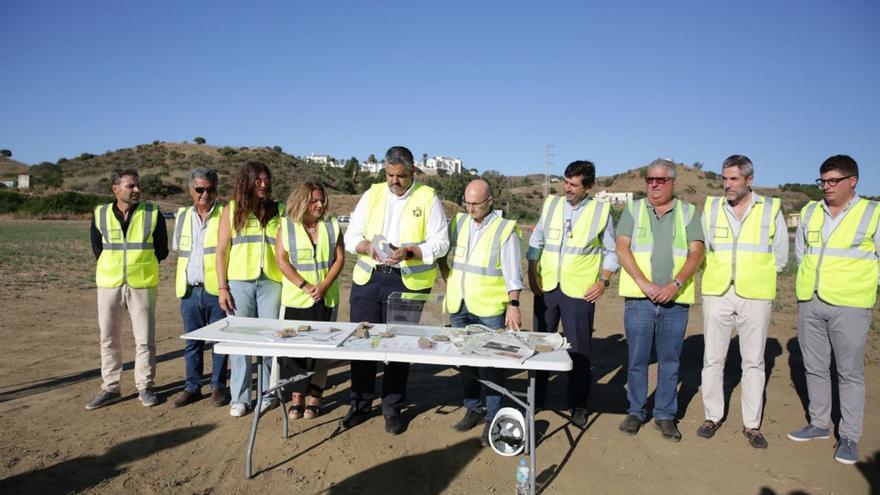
(315, 291)
(535, 283)
(227, 304)
(513, 317)
(666, 294)
(398, 255)
(649, 289)
(595, 292)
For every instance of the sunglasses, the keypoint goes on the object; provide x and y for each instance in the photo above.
(201, 190)
(658, 180)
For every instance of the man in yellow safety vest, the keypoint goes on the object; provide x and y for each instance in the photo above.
(660, 247)
(195, 239)
(837, 246)
(483, 283)
(746, 245)
(410, 218)
(129, 240)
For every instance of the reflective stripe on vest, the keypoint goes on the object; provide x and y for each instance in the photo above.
(183, 226)
(476, 276)
(127, 258)
(413, 227)
(642, 244)
(253, 247)
(746, 258)
(311, 262)
(582, 254)
(842, 269)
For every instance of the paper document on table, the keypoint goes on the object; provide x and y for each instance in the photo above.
(506, 345)
(397, 343)
(324, 336)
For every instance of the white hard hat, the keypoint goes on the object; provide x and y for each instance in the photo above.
(507, 433)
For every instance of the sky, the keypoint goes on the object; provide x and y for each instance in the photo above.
(787, 83)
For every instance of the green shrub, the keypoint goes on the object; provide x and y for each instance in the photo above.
(199, 140)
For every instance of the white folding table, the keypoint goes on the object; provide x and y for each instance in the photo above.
(229, 341)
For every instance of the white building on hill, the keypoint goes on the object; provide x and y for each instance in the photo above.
(373, 168)
(323, 160)
(613, 197)
(449, 164)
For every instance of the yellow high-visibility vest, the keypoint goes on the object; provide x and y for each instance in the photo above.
(642, 245)
(253, 248)
(127, 258)
(183, 226)
(843, 268)
(745, 260)
(475, 276)
(416, 275)
(582, 256)
(311, 262)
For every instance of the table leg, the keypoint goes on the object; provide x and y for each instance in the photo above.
(256, 413)
(531, 419)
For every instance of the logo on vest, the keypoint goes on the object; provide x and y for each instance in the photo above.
(417, 212)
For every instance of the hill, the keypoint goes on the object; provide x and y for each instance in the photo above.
(9, 168)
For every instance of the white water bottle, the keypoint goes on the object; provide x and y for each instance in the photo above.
(522, 477)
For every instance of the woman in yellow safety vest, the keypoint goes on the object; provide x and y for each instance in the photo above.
(309, 252)
(249, 279)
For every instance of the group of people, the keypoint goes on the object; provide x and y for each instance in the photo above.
(256, 257)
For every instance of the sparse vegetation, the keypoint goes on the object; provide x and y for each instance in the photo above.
(199, 140)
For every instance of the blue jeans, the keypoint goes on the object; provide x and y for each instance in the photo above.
(197, 309)
(259, 298)
(662, 326)
(469, 384)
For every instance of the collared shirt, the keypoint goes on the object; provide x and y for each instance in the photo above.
(436, 242)
(571, 215)
(511, 267)
(828, 227)
(780, 240)
(195, 267)
(663, 229)
(160, 235)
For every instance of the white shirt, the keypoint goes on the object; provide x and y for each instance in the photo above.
(436, 242)
(571, 215)
(195, 266)
(780, 240)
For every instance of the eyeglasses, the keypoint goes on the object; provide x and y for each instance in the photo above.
(474, 205)
(658, 180)
(833, 182)
(201, 190)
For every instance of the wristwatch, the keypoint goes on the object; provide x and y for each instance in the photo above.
(514, 303)
(604, 281)
(676, 283)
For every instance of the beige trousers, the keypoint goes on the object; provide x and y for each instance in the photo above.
(141, 306)
(750, 318)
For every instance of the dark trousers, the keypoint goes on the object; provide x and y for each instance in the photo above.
(576, 315)
(291, 366)
(369, 302)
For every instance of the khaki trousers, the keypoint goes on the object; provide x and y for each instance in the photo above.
(751, 318)
(141, 307)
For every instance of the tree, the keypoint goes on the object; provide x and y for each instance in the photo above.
(199, 140)
(424, 159)
(698, 165)
(276, 149)
(6, 153)
(47, 174)
(371, 158)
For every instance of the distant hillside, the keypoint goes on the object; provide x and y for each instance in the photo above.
(9, 168)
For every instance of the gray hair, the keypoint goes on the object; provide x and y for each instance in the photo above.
(399, 155)
(204, 173)
(663, 163)
(740, 161)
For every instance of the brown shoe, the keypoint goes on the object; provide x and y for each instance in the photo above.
(186, 397)
(756, 439)
(708, 429)
(219, 397)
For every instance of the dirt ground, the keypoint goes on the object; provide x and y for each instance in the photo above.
(49, 368)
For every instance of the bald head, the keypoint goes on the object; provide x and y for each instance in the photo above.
(478, 199)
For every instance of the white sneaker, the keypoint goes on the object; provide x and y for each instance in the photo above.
(237, 409)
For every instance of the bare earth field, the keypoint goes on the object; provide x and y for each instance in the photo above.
(49, 368)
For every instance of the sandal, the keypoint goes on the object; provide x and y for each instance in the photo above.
(313, 407)
(296, 406)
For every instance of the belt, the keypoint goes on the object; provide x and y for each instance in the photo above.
(200, 284)
(387, 269)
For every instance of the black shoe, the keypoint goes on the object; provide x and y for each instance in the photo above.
(708, 429)
(186, 397)
(630, 424)
(393, 425)
(756, 439)
(668, 429)
(353, 418)
(579, 417)
(484, 436)
(470, 419)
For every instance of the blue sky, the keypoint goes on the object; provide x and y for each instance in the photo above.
(787, 83)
